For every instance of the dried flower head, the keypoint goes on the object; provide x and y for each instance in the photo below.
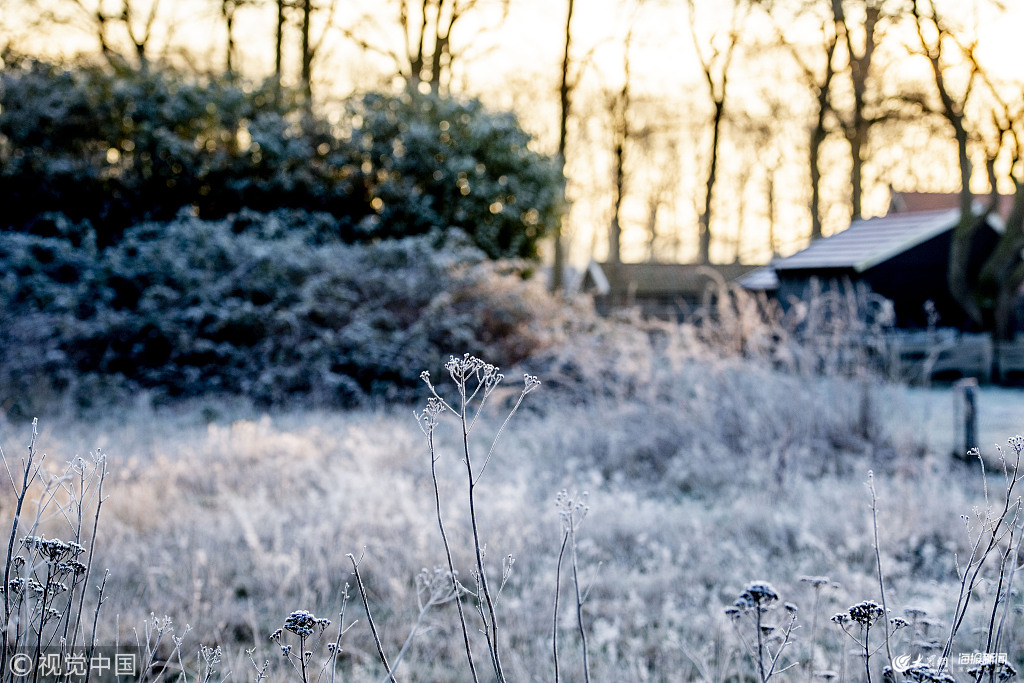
(302, 623)
(53, 550)
(866, 613)
(429, 416)
(572, 509)
(211, 655)
(759, 594)
(816, 581)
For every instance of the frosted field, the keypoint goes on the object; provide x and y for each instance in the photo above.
(1000, 416)
(228, 519)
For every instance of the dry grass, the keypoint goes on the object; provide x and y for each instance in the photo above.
(229, 520)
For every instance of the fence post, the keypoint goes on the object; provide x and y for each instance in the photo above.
(966, 417)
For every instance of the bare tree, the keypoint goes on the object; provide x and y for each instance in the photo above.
(660, 154)
(818, 72)
(125, 22)
(619, 108)
(857, 123)
(935, 36)
(715, 59)
(228, 8)
(988, 298)
(1002, 274)
(426, 29)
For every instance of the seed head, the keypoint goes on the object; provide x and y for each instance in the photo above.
(866, 613)
(759, 594)
(302, 623)
(816, 581)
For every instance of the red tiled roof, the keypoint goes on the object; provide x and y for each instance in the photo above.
(903, 202)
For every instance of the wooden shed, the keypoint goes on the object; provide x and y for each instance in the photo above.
(902, 256)
(665, 290)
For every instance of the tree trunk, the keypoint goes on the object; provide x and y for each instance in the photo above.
(621, 134)
(279, 45)
(820, 131)
(856, 175)
(1003, 271)
(857, 128)
(771, 211)
(565, 103)
(716, 75)
(615, 229)
(961, 288)
(817, 139)
(652, 229)
(227, 9)
(441, 58)
(307, 55)
(704, 221)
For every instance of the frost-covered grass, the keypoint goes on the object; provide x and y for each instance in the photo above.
(229, 520)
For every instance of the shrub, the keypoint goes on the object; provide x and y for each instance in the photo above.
(269, 313)
(427, 162)
(87, 147)
(109, 149)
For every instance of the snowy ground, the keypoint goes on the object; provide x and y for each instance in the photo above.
(1000, 416)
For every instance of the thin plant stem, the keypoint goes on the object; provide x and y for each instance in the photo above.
(1006, 603)
(448, 556)
(995, 536)
(579, 601)
(878, 567)
(95, 620)
(102, 464)
(558, 578)
(491, 620)
(760, 642)
(369, 617)
(29, 473)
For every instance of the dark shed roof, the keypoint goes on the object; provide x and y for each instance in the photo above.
(868, 242)
(864, 245)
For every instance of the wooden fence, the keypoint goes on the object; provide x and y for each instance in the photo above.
(947, 355)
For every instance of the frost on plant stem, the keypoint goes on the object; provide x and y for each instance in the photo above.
(572, 509)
